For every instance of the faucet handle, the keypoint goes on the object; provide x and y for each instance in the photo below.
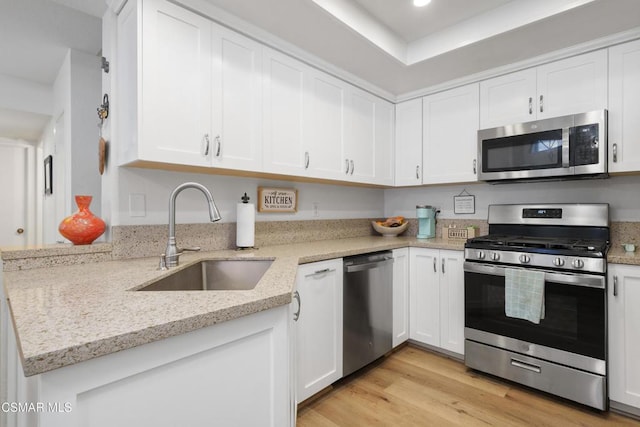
(162, 265)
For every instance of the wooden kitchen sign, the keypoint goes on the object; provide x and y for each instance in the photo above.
(277, 199)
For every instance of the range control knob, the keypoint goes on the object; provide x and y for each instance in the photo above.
(558, 262)
(495, 256)
(577, 263)
(480, 255)
(524, 259)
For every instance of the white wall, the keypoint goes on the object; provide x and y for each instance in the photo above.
(151, 189)
(621, 192)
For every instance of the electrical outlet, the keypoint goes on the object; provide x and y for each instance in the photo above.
(316, 207)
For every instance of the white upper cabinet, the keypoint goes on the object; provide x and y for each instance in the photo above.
(624, 107)
(573, 85)
(237, 101)
(408, 152)
(450, 128)
(285, 108)
(171, 89)
(508, 99)
(326, 126)
(385, 142)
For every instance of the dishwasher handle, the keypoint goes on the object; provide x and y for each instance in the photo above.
(351, 268)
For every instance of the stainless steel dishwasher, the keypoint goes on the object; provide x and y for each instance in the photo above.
(367, 309)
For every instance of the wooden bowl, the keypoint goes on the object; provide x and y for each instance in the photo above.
(389, 231)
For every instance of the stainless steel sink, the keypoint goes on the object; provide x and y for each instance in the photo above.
(213, 275)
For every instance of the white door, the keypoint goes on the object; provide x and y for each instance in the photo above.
(326, 127)
(508, 99)
(285, 83)
(424, 291)
(319, 327)
(573, 85)
(452, 301)
(624, 324)
(360, 145)
(176, 85)
(13, 173)
(400, 296)
(237, 101)
(408, 144)
(624, 107)
(384, 144)
(450, 134)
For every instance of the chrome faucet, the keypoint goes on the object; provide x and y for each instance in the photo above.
(171, 254)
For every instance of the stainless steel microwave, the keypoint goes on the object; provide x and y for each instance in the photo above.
(572, 146)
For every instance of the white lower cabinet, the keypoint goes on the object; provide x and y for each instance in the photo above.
(235, 373)
(436, 288)
(400, 296)
(319, 327)
(624, 341)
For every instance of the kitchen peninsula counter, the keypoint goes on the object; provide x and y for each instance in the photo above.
(68, 314)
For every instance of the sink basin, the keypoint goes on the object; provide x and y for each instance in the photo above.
(213, 275)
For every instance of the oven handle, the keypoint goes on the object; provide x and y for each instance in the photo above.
(575, 279)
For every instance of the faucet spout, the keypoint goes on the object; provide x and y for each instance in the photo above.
(171, 253)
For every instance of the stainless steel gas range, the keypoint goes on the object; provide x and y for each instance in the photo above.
(536, 300)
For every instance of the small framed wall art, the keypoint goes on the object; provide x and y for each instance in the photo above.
(279, 200)
(464, 203)
(48, 174)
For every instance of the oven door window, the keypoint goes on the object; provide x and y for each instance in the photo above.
(541, 150)
(574, 315)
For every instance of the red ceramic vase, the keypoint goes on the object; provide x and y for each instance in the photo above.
(83, 227)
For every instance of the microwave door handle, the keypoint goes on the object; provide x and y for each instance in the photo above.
(565, 147)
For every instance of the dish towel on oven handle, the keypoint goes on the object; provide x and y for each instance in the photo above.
(524, 294)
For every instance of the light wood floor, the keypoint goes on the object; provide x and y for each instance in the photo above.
(414, 387)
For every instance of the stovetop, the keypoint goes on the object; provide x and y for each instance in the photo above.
(548, 245)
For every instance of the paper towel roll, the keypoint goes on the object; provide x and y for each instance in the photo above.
(245, 226)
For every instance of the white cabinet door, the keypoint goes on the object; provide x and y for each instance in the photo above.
(424, 291)
(508, 99)
(325, 126)
(237, 101)
(624, 324)
(624, 107)
(452, 301)
(450, 128)
(573, 85)
(360, 143)
(175, 80)
(408, 152)
(384, 143)
(400, 296)
(285, 108)
(319, 327)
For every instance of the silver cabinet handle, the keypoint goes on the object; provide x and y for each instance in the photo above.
(615, 153)
(218, 146)
(317, 272)
(530, 105)
(207, 143)
(296, 315)
(475, 169)
(435, 270)
(541, 103)
(352, 166)
(418, 172)
(442, 265)
(306, 160)
(615, 286)
(346, 162)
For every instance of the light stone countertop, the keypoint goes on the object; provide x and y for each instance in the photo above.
(617, 255)
(68, 314)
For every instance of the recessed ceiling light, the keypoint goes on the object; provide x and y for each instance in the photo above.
(420, 3)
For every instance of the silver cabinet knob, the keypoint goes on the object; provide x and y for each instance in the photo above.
(480, 255)
(495, 256)
(524, 259)
(577, 263)
(558, 262)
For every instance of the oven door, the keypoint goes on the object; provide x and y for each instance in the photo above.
(574, 326)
